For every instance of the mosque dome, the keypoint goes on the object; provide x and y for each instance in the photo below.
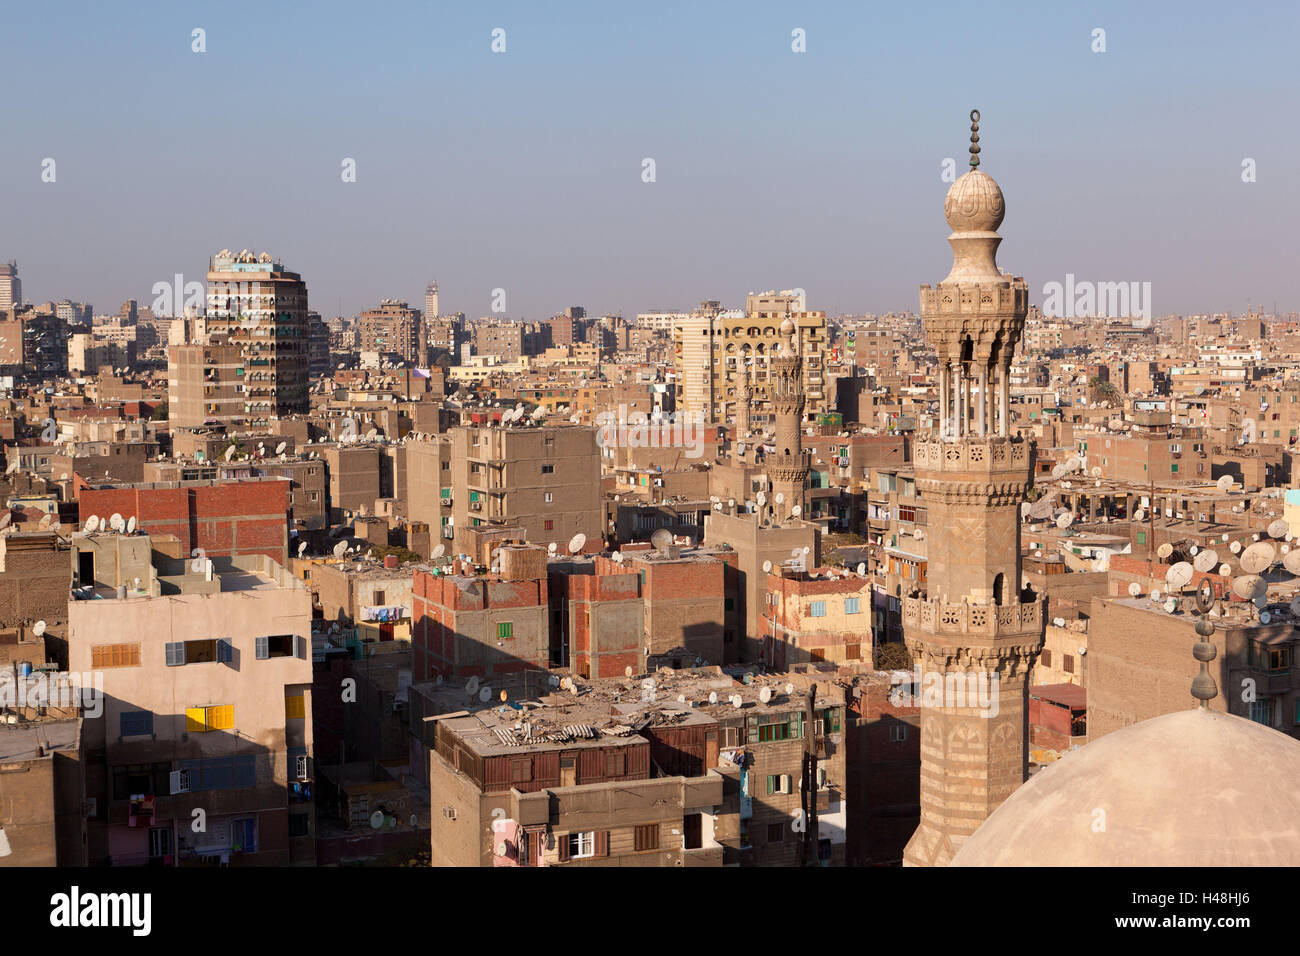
(1192, 788)
(788, 327)
(974, 203)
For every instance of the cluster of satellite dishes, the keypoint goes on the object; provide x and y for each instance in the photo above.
(115, 523)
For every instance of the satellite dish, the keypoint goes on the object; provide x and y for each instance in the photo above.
(377, 820)
(439, 551)
(796, 511)
(1096, 471)
(1025, 508)
(1064, 520)
(577, 541)
(1258, 558)
(617, 557)
(1058, 622)
(485, 694)
(1225, 482)
(1139, 515)
(1278, 529)
(662, 539)
(45, 521)
(279, 449)
(471, 686)
(627, 671)
(1260, 600)
(1206, 561)
(38, 628)
(130, 525)
(340, 549)
(1292, 561)
(552, 547)
(230, 453)
(1294, 607)
(1155, 594)
(1249, 586)
(780, 498)
(92, 523)
(765, 694)
(1179, 575)
(737, 701)
(1265, 617)
(1225, 570)
(1164, 551)
(713, 694)
(115, 522)
(789, 688)
(1135, 590)
(862, 568)
(1194, 549)
(302, 547)
(1235, 547)
(1171, 605)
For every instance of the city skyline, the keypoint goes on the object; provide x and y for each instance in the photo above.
(523, 170)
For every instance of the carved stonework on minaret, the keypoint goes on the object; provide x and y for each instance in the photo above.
(788, 467)
(744, 404)
(975, 631)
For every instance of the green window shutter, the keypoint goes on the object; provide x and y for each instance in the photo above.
(796, 726)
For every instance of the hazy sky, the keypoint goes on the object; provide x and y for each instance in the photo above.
(522, 170)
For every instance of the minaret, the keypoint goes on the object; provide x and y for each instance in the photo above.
(788, 467)
(974, 635)
(743, 402)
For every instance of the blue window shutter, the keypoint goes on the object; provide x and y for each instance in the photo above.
(263, 648)
(134, 723)
(175, 653)
(225, 651)
(245, 770)
(299, 648)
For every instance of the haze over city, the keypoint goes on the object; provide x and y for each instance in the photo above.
(522, 169)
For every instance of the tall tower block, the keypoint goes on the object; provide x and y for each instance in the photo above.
(975, 633)
(789, 466)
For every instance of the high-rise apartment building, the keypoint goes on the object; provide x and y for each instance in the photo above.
(254, 303)
(431, 300)
(11, 287)
(714, 350)
(205, 385)
(393, 328)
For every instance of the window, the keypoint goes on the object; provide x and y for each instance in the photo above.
(817, 609)
(1067, 663)
(906, 513)
(779, 783)
(521, 770)
(548, 525)
(769, 732)
(295, 708)
(776, 833)
(299, 825)
(897, 733)
(281, 645)
(378, 600)
(581, 845)
(728, 604)
(646, 837)
(1279, 658)
(114, 655)
(851, 605)
(547, 497)
(1046, 657)
(200, 720)
(730, 737)
(615, 764)
(1261, 711)
(548, 469)
(505, 630)
(160, 842)
(136, 723)
(198, 652)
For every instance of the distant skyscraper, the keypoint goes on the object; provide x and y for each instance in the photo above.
(431, 302)
(253, 302)
(11, 287)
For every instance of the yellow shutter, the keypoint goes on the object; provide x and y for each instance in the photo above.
(222, 717)
(196, 720)
(295, 708)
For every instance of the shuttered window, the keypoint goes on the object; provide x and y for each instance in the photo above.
(115, 655)
(199, 720)
(295, 708)
(135, 723)
(647, 837)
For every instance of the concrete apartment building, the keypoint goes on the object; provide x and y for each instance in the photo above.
(545, 481)
(11, 287)
(684, 593)
(561, 792)
(394, 329)
(429, 487)
(257, 305)
(597, 616)
(353, 472)
(374, 598)
(714, 350)
(205, 386)
(206, 706)
(1139, 665)
(42, 797)
(823, 615)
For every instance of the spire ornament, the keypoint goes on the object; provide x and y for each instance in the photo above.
(974, 139)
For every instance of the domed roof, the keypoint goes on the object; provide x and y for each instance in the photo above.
(974, 203)
(788, 327)
(1192, 788)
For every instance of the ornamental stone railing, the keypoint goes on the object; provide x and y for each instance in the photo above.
(987, 453)
(982, 620)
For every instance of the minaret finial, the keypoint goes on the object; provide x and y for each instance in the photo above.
(974, 139)
(1204, 688)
